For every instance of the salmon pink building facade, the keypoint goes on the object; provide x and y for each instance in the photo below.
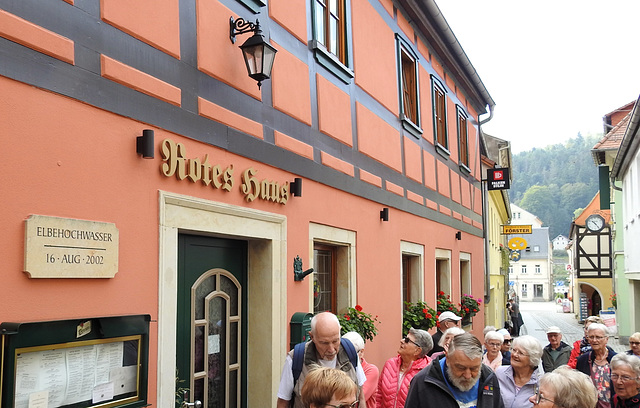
(372, 107)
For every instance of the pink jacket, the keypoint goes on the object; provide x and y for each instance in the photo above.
(390, 395)
(370, 387)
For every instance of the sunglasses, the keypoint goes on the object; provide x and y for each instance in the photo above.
(634, 343)
(507, 341)
(354, 404)
(408, 340)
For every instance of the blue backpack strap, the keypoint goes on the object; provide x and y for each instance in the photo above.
(298, 360)
(351, 351)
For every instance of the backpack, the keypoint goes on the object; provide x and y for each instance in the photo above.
(298, 357)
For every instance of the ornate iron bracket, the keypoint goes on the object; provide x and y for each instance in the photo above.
(298, 274)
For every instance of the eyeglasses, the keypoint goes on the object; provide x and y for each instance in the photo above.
(624, 378)
(354, 404)
(539, 398)
(634, 343)
(408, 340)
(595, 338)
(519, 352)
(494, 344)
(507, 341)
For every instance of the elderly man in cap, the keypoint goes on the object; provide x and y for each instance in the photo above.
(445, 321)
(557, 352)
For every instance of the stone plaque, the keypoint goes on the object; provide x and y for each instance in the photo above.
(69, 248)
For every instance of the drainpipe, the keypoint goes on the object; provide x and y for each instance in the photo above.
(485, 220)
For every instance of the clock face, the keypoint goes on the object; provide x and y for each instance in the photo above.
(595, 222)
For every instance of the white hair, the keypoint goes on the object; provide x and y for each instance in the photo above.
(355, 339)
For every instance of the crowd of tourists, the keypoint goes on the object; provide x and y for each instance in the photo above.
(455, 369)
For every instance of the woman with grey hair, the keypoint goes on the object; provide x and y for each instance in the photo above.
(595, 363)
(634, 343)
(565, 388)
(492, 343)
(519, 381)
(445, 340)
(398, 371)
(625, 377)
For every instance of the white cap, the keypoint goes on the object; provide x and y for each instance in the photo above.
(448, 316)
(504, 332)
(554, 329)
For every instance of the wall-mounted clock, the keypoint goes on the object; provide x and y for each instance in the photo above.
(595, 222)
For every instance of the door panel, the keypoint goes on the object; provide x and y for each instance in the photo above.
(211, 326)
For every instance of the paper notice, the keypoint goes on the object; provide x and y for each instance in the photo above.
(102, 392)
(39, 399)
(124, 379)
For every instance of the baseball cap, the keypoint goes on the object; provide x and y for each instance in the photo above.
(553, 329)
(504, 332)
(448, 316)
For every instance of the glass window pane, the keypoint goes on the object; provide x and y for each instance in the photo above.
(199, 349)
(217, 351)
(323, 283)
(333, 36)
(198, 392)
(233, 389)
(333, 7)
(234, 342)
(229, 287)
(320, 22)
(207, 286)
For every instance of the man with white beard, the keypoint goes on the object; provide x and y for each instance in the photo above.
(459, 380)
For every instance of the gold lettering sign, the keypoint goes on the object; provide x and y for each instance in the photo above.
(200, 169)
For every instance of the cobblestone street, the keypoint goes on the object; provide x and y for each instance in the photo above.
(538, 316)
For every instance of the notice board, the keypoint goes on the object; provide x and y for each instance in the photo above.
(75, 363)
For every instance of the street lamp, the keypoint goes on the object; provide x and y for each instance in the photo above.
(258, 54)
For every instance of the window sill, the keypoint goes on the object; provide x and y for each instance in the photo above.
(442, 151)
(253, 5)
(331, 62)
(464, 169)
(409, 126)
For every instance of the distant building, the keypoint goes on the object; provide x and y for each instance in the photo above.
(560, 242)
(531, 269)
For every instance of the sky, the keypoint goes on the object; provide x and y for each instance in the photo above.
(553, 67)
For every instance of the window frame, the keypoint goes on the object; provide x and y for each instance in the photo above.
(463, 139)
(332, 250)
(523, 269)
(537, 269)
(440, 132)
(253, 5)
(340, 64)
(407, 61)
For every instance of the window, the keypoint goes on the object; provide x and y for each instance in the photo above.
(330, 36)
(510, 270)
(443, 271)
(439, 114)
(333, 260)
(524, 290)
(324, 284)
(537, 269)
(408, 83)
(463, 141)
(536, 248)
(523, 269)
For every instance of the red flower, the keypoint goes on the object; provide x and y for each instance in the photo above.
(347, 317)
(425, 311)
(428, 316)
(466, 309)
(359, 308)
(438, 302)
(441, 293)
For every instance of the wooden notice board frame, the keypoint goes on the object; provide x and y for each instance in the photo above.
(93, 362)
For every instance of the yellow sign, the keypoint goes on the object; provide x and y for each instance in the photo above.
(516, 229)
(517, 243)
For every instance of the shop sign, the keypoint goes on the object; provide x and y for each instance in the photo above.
(175, 163)
(517, 229)
(498, 179)
(70, 248)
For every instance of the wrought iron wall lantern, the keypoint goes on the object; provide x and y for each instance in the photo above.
(258, 54)
(384, 214)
